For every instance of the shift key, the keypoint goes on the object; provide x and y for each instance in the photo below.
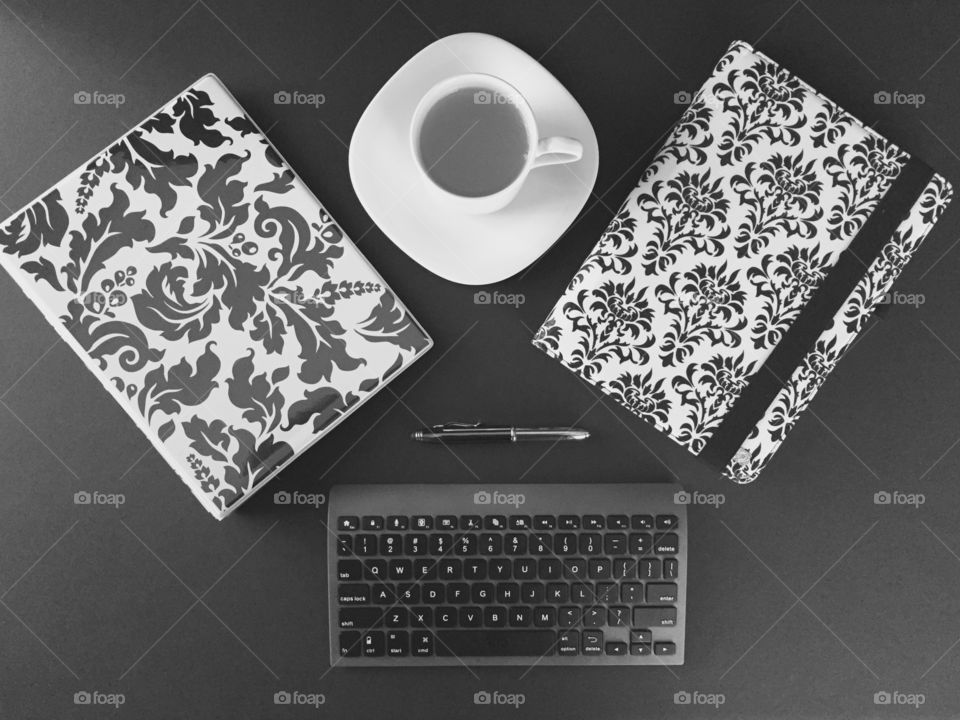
(360, 617)
(650, 617)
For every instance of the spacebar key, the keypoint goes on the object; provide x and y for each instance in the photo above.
(483, 643)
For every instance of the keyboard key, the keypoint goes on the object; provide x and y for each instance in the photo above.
(421, 617)
(482, 593)
(549, 569)
(520, 616)
(618, 522)
(508, 593)
(667, 544)
(375, 569)
(590, 544)
(532, 593)
(499, 569)
(544, 522)
(373, 644)
(667, 522)
(458, 593)
(398, 643)
(599, 568)
(575, 569)
(495, 522)
(447, 522)
(360, 617)
(641, 636)
(615, 544)
(664, 648)
(624, 568)
(608, 593)
(640, 649)
(594, 617)
(568, 522)
(568, 643)
(421, 644)
(344, 545)
(471, 522)
(515, 544)
(618, 616)
(649, 569)
(495, 617)
(395, 618)
(545, 617)
(471, 617)
(631, 592)
(492, 643)
(520, 522)
(474, 569)
(348, 522)
(658, 593)
(445, 617)
(582, 593)
(616, 648)
(568, 617)
(593, 522)
(465, 544)
(640, 543)
(422, 522)
(372, 522)
(400, 570)
(440, 543)
(382, 594)
(558, 593)
(449, 569)
(524, 569)
(592, 642)
(398, 522)
(671, 569)
(565, 543)
(641, 522)
(541, 544)
(424, 569)
(349, 570)
(433, 593)
(415, 544)
(491, 544)
(353, 594)
(365, 545)
(391, 544)
(653, 617)
(408, 594)
(350, 643)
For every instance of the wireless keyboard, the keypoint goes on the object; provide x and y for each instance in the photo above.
(581, 574)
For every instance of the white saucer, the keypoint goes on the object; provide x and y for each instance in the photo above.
(469, 249)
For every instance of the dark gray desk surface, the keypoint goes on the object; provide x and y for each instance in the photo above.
(806, 598)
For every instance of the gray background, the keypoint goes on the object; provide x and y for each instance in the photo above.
(806, 598)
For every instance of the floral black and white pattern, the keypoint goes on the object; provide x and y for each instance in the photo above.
(211, 293)
(734, 225)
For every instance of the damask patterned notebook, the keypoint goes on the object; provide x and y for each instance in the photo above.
(211, 294)
(744, 264)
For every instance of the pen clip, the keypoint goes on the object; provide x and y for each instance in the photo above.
(456, 425)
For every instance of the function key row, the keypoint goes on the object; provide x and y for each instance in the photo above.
(395, 523)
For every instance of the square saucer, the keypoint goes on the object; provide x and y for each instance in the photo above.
(469, 249)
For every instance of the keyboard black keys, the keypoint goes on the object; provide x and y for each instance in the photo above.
(580, 574)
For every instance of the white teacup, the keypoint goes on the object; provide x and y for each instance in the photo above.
(535, 151)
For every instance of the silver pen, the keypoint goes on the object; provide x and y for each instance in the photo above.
(478, 432)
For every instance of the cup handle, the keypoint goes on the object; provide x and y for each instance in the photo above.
(557, 150)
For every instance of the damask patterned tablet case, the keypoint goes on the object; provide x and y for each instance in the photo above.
(744, 264)
(211, 294)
